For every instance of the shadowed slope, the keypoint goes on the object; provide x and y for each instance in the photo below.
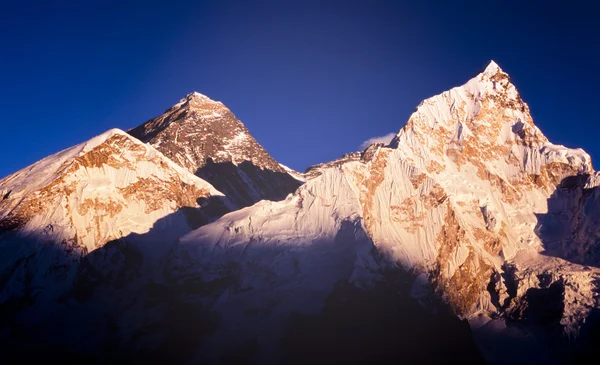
(205, 137)
(134, 310)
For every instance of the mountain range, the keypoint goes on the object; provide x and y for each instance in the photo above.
(469, 237)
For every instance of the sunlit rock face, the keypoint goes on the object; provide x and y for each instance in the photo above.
(102, 189)
(469, 237)
(204, 137)
(89, 212)
(467, 198)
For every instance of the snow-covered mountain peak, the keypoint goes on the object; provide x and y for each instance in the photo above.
(457, 196)
(198, 100)
(114, 148)
(493, 81)
(93, 199)
(483, 123)
(101, 138)
(470, 203)
(492, 69)
(110, 185)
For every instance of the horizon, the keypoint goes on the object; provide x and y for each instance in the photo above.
(297, 77)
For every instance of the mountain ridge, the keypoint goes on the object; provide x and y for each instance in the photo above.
(457, 197)
(206, 138)
(469, 212)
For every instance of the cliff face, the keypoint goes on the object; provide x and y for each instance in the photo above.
(470, 213)
(204, 137)
(466, 197)
(63, 208)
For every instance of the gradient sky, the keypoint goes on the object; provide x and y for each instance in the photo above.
(311, 80)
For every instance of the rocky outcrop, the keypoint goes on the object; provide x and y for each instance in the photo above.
(470, 215)
(106, 190)
(206, 138)
(456, 199)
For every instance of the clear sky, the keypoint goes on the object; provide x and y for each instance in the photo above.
(310, 79)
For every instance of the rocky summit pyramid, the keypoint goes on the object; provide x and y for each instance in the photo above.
(204, 137)
(470, 237)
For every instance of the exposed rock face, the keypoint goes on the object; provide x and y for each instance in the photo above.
(316, 170)
(205, 137)
(459, 198)
(469, 213)
(93, 205)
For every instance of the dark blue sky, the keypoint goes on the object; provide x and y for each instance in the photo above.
(311, 80)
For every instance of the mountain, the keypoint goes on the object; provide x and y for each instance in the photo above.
(316, 170)
(469, 237)
(204, 137)
(470, 198)
(87, 213)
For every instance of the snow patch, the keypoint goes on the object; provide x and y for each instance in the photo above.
(385, 139)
